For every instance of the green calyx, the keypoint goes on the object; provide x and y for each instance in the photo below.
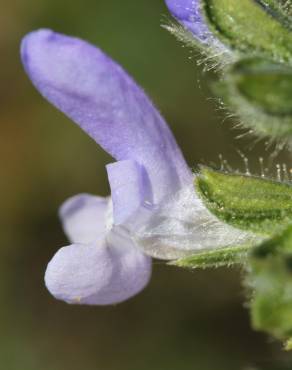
(265, 84)
(256, 82)
(264, 207)
(260, 92)
(246, 202)
(215, 258)
(279, 9)
(270, 278)
(247, 27)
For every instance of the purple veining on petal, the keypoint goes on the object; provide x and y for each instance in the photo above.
(99, 95)
(189, 14)
(84, 217)
(107, 271)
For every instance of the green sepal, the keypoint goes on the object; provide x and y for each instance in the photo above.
(227, 256)
(280, 9)
(260, 92)
(265, 84)
(246, 202)
(270, 278)
(248, 28)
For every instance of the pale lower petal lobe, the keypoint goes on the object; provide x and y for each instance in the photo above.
(108, 271)
(85, 217)
(104, 101)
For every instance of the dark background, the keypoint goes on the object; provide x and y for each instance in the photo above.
(183, 320)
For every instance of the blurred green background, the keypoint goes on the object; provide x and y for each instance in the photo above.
(183, 320)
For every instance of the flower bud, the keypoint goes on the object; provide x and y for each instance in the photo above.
(260, 92)
(249, 27)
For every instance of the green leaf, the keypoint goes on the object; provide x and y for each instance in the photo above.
(246, 27)
(270, 278)
(215, 258)
(247, 202)
(260, 92)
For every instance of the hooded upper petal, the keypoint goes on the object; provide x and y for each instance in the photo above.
(85, 217)
(99, 96)
(189, 14)
(108, 271)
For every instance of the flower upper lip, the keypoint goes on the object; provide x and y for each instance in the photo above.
(106, 103)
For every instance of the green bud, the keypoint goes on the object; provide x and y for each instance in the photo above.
(270, 278)
(248, 28)
(260, 92)
(247, 202)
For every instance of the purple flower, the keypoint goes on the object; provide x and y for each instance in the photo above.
(153, 208)
(189, 13)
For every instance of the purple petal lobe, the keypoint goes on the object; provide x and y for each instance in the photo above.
(107, 271)
(84, 217)
(189, 14)
(130, 189)
(99, 96)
